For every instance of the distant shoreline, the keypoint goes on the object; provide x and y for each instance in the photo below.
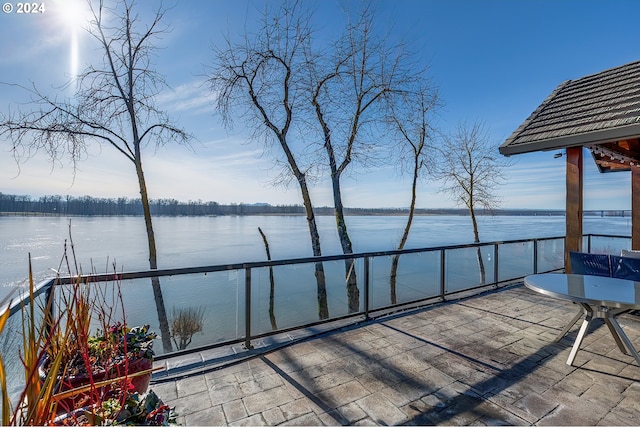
(11, 204)
(328, 211)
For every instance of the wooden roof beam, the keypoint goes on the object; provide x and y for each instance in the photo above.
(574, 204)
(635, 208)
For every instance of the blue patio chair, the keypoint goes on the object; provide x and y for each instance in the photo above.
(625, 268)
(590, 264)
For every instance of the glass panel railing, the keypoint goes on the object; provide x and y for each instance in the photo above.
(404, 278)
(214, 301)
(271, 291)
(607, 244)
(293, 299)
(200, 309)
(11, 340)
(550, 255)
(515, 259)
(345, 286)
(214, 296)
(139, 305)
(467, 268)
(381, 292)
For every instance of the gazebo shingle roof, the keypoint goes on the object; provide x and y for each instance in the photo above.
(600, 108)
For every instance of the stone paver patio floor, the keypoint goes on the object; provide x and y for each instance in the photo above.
(490, 359)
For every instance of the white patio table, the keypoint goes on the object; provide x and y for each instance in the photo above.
(599, 297)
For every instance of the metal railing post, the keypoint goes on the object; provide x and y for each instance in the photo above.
(442, 273)
(366, 288)
(247, 308)
(535, 256)
(496, 264)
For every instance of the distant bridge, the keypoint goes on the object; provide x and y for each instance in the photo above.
(603, 213)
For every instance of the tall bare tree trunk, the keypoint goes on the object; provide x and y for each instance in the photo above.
(353, 293)
(405, 234)
(476, 239)
(323, 305)
(163, 321)
(321, 285)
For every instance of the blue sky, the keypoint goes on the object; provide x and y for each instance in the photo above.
(493, 61)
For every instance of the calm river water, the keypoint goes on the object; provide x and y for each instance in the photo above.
(195, 241)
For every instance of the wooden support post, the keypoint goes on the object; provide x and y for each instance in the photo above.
(635, 208)
(573, 238)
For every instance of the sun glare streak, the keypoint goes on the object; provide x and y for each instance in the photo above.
(74, 15)
(73, 54)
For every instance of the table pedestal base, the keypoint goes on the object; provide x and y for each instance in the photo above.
(609, 317)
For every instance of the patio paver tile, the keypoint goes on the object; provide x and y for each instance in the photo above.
(309, 419)
(484, 360)
(262, 383)
(342, 394)
(234, 410)
(273, 416)
(296, 408)
(264, 400)
(223, 393)
(345, 414)
(193, 403)
(209, 416)
(381, 410)
(253, 420)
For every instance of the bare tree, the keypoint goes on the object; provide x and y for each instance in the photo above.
(113, 104)
(259, 80)
(412, 121)
(348, 97)
(185, 323)
(471, 170)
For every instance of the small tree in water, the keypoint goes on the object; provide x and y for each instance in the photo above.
(471, 170)
(185, 323)
(411, 120)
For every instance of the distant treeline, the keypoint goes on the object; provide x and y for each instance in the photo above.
(87, 205)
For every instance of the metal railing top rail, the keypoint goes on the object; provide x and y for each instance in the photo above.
(616, 236)
(88, 278)
(15, 305)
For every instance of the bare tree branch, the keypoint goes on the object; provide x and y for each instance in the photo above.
(471, 169)
(114, 103)
(259, 81)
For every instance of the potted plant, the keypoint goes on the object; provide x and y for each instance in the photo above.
(133, 352)
(116, 355)
(67, 371)
(135, 409)
(119, 356)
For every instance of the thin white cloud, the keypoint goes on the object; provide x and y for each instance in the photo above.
(193, 97)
